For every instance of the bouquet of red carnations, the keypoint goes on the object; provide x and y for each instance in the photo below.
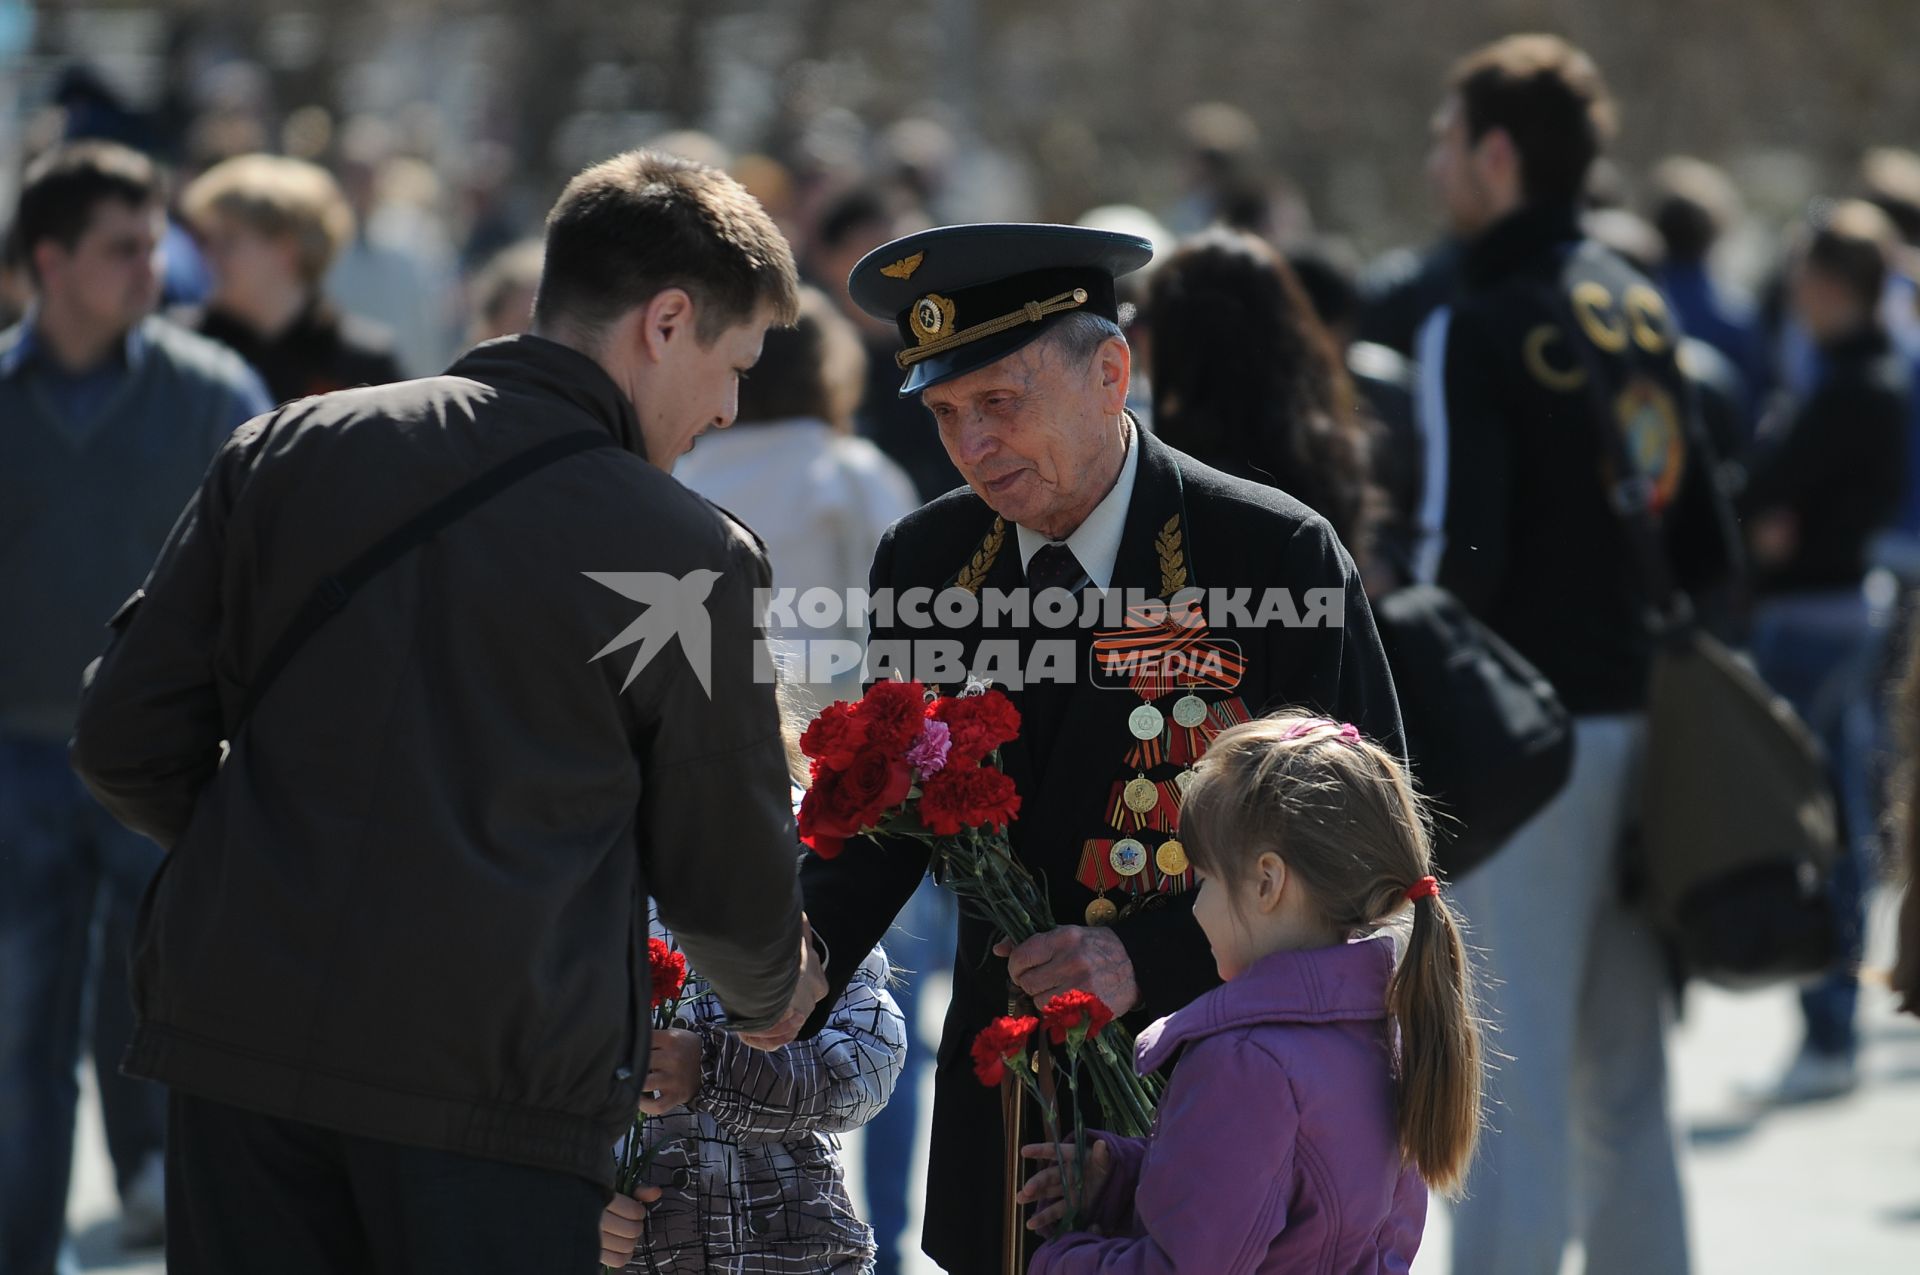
(901, 763)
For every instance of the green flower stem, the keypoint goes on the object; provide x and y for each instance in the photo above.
(1074, 1181)
(993, 886)
(1050, 1122)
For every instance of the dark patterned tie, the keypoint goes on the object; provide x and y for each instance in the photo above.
(1055, 567)
(1042, 703)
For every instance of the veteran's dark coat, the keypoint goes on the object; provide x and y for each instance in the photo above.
(1234, 535)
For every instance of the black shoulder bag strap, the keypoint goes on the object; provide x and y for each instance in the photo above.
(1669, 612)
(333, 592)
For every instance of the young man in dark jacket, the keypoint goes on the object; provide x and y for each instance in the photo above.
(1819, 489)
(1520, 522)
(403, 917)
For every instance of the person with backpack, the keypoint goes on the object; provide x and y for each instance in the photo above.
(1518, 520)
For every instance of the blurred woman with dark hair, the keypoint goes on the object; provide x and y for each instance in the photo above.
(793, 470)
(1247, 379)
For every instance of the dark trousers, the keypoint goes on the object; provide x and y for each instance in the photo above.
(248, 1193)
(70, 882)
(1820, 650)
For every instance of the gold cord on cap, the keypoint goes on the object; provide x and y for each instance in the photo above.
(1031, 312)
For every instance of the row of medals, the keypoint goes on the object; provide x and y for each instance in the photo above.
(1129, 854)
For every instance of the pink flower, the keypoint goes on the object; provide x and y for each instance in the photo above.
(928, 755)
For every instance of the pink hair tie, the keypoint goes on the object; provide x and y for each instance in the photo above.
(1347, 731)
(1422, 888)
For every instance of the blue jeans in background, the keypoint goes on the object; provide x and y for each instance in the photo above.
(921, 941)
(1821, 652)
(71, 879)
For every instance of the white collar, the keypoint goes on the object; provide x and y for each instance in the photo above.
(1095, 543)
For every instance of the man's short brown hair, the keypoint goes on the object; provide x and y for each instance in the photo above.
(1549, 98)
(66, 184)
(277, 197)
(627, 229)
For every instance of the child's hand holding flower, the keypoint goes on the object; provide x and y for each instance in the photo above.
(1049, 1186)
(622, 1225)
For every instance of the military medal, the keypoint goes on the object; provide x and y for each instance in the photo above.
(1183, 781)
(1128, 857)
(1171, 858)
(1190, 710)
(1102, 911)
(1146, 722)
(1140, 794)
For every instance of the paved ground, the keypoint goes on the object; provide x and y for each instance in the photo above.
(1827, 1188)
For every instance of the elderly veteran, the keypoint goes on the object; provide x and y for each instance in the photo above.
(1011, 342)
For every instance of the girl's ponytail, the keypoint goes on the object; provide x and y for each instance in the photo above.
(1432, 1003)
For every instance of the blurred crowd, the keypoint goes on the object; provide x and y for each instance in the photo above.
(326, 254)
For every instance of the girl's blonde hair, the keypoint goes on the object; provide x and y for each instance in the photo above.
(797, 708)
(1343, 815)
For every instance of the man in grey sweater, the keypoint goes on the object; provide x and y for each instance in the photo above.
(108, 417)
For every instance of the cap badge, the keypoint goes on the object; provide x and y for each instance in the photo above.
(904, 268)
(932, 317)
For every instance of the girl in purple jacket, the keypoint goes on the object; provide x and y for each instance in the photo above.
(1323, 1088)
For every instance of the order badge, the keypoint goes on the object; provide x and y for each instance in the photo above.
(1128, 857)
(1189, 711)
(1146, 722)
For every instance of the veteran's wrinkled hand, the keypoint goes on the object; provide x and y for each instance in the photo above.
(1058, 960)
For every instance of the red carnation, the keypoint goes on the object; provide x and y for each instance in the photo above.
(669, 970)
(819, 831)
(1000, 1040)
(891, 713)
(844, 803)
(877, 781)
(1072, 1010)
(979, 724)
(974, 798)
(834, 737)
